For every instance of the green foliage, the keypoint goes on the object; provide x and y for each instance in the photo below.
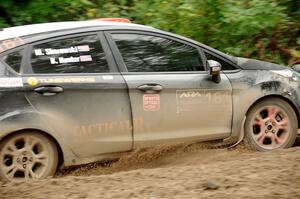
(265, 29)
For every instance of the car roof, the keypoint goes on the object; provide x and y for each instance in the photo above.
(45, 28)
(26, 30)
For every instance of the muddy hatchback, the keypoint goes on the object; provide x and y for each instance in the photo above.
(77, 92)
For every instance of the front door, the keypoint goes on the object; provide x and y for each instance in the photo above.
(170, 89)
(81, 97)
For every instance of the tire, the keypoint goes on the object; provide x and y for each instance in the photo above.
(271, 124)
(26, 156)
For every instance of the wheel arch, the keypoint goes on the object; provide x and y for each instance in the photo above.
(48, 135)
(279, 97)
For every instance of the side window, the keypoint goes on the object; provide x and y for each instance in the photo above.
(145, 53)
(82, 54)
(14, 60)
(224, 64)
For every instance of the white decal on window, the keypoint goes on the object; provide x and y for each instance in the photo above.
(63, 60)
(53, 61)
(38, 52)
(50, 51)
(72, 49)
(66, 60)
(11, 82)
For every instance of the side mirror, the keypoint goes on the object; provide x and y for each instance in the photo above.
(214, 70)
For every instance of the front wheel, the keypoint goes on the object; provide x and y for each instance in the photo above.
(271, 124)
(27, 155)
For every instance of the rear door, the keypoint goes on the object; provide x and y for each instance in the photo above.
(170, 89)
(74, 85)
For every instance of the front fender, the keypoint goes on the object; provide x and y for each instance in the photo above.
(251, 86)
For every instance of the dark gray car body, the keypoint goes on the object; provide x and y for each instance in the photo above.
(101, 115)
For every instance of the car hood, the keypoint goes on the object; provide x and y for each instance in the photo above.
(253, 64)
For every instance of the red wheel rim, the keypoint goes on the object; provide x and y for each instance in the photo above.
(270, 127)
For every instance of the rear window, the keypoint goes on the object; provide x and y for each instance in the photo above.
(83, 54)
(14, 60)
(10, 43)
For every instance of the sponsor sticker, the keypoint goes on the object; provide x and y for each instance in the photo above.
(151, 102)
(194, 99)
(32, 81)
(10, 43)
(11, 82)
(110, 127)
(108, 77)
(85, 58)
(84, 48)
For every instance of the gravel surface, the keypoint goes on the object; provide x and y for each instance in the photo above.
(175, 171)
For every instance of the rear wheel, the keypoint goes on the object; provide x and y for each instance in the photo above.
(271, 124)
(27, 155)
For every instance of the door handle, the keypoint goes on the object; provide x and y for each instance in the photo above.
(150, 88)
(49, 90)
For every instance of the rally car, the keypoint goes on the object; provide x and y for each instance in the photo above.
(76, 92)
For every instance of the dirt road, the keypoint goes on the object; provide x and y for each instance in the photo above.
(177, 171)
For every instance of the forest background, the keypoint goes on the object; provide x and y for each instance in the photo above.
(263, 29)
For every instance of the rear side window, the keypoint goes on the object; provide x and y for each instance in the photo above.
(14, 60)
(147, 53)
(82, 54)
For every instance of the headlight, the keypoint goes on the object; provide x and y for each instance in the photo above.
(288, 73)
(296, 77)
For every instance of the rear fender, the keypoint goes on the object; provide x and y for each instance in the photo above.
(28, 119)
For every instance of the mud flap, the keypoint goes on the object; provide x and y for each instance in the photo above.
(242, 134)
